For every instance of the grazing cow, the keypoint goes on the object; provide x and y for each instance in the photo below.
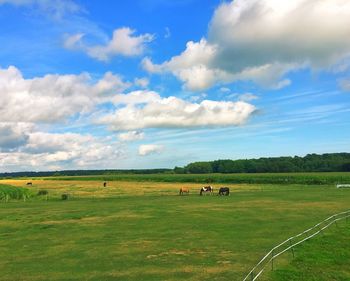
(29, 183)
(104, 184)
(224, 191)
(206, 189)
(184, 190)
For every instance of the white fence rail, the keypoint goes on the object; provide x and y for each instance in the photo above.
(291, 242)
(343, 185)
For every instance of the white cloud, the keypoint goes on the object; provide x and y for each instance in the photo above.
(167, 33)
(148, 110)
(14, 135)
(73, 41)
(136, 97)
(247, 97)
(225, 90)
(56, 9)
(52, 98)
(344, 84)
(141, 82)
(63, 151)
(199, 97)
(150, 67)
(40, 142)
(124, 42)
(131, 136)
(146, 149)
(262, 41)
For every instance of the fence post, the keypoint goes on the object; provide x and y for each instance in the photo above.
(290, 242)
(272, 260)
(320, 229)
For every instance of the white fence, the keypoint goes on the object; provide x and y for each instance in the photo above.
(343, 185)
(292, 242)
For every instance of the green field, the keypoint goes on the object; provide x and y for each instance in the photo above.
(323, 258)
(256, 178)
(143, 230)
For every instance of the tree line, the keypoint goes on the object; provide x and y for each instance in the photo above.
(330, 162)
(32, 174)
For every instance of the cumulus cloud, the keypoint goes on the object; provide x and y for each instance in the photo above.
(14, 135)
(42, 150)
(136, 97)
(152, 111)
(262, 41)
(52, 98)
(131, 136)
(146, 149)
(124, 42)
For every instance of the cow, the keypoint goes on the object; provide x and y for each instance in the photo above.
(105, 184)
(29, 183)
(224, 191)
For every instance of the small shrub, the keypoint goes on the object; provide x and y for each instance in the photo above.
(42, 192)
(65, 196)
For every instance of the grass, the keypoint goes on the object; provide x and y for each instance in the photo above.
(13, 193)
(323, 258)
(253, 178)
(145, 231)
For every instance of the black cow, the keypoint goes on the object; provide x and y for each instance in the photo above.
(224, 191)
(29, 183)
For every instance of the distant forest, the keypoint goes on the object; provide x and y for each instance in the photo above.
(330, 162)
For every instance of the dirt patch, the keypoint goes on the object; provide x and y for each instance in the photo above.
(97, 219)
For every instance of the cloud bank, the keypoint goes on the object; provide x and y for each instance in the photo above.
(262, 41)
(145, 109)
(52, 98)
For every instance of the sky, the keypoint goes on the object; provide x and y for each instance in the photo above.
(159, 83)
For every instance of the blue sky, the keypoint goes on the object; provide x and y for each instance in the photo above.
(157, 83)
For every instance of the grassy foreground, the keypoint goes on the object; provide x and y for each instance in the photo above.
(323, 258)
(145, 231)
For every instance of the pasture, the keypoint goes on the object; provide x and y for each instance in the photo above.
(143, 230)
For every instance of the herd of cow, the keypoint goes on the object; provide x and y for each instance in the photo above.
(206, 189)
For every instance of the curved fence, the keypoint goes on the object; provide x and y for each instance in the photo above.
(291, 242)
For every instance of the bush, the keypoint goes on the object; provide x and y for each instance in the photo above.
(42, 192)
(65, 196)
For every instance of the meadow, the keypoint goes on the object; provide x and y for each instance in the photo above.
(143, 230)
(240, 178)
